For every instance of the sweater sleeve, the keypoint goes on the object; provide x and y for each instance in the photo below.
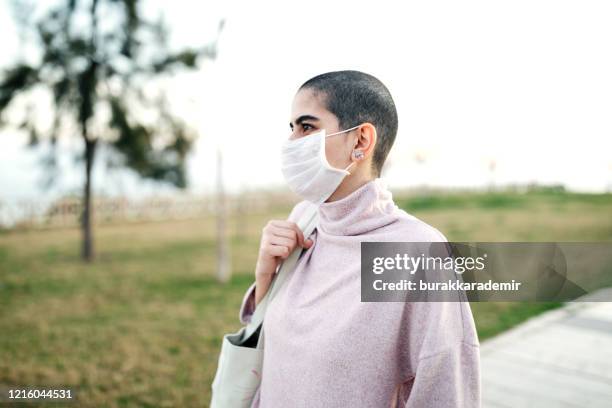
(440, 352)
(443, 365)
(247, 307)
(449, 378)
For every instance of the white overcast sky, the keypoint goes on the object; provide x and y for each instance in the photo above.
(525, 83)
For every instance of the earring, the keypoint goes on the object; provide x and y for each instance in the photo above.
(358, 154)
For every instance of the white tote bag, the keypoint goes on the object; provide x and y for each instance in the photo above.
(240, 364)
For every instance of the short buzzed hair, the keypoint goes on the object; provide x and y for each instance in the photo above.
(356, 97)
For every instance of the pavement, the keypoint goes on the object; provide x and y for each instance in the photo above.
(562, 358)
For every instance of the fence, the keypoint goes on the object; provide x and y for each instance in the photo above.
(66, 212)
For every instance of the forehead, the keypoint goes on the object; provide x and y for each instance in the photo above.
(309, 102)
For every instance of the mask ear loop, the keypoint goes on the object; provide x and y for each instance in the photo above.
(342, 131)
(349, 166)
(337, 133)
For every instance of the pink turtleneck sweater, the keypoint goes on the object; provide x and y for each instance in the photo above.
(325, 348)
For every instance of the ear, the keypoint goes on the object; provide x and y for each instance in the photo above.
(366, 139)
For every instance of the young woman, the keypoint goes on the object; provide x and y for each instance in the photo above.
(323, 346)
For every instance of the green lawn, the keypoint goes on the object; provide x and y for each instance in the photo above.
(142, 325)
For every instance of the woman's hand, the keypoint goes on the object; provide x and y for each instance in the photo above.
(278, 239)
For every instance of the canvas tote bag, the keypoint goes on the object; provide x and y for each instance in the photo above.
(240, 361)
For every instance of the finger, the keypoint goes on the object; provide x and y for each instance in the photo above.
(288, 242)
(277, 250)
(284, 232)
(280, 223)
(290, 225)
(299, 234)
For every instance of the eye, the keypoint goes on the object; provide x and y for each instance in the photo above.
(307, 127)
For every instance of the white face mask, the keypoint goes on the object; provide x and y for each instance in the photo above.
(306, 169)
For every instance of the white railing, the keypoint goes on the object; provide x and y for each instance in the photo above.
(66, 212)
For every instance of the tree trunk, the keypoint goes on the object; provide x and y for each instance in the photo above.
(86, 220)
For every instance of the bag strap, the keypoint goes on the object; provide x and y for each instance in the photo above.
(307, 223)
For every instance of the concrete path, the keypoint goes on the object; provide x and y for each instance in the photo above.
(562, 358)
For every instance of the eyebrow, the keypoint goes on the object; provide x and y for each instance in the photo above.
(302, 119)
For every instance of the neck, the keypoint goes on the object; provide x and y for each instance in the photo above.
(362, 211)
(348, 185)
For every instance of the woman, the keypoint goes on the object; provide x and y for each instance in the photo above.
(323, 346)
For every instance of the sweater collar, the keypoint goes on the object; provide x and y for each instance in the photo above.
(364, 210)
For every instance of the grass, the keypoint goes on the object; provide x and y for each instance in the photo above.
(142, 325)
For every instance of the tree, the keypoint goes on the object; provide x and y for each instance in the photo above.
(99, 60)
